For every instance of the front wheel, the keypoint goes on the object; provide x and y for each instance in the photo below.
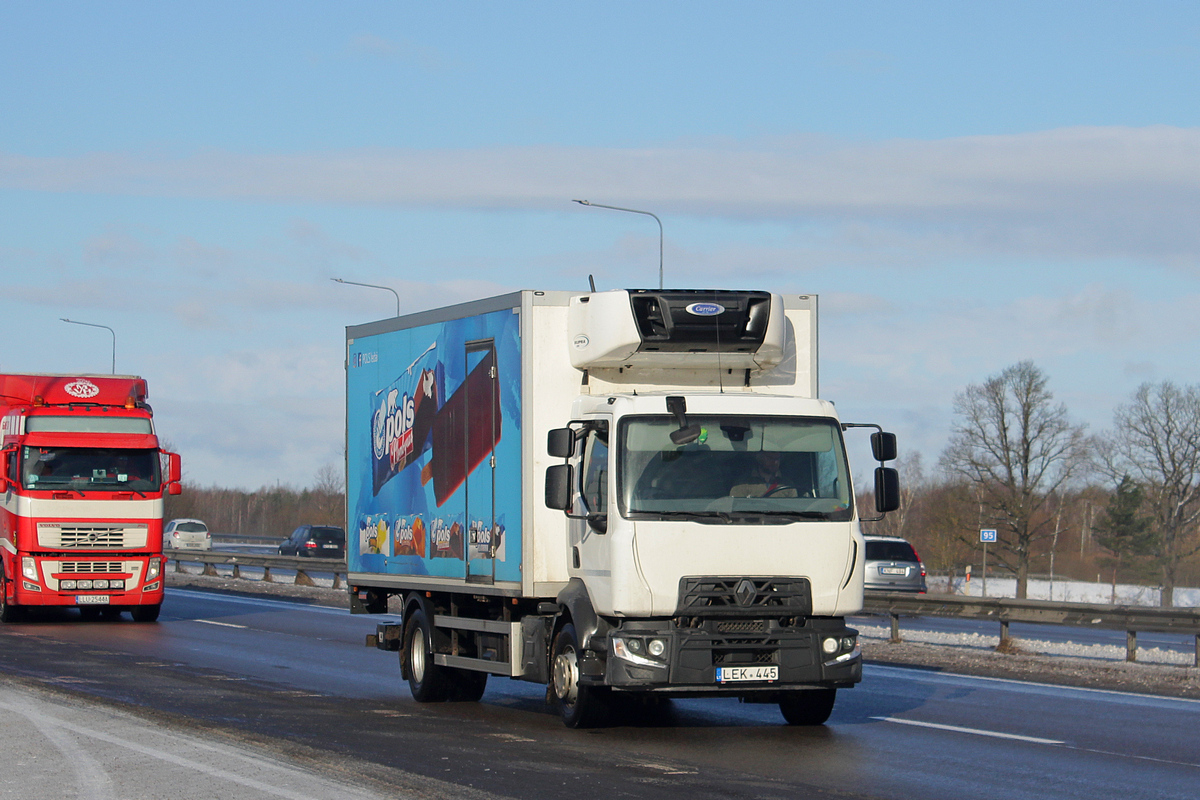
(8, 612)
(581, 705)
(428, 682)
(145, 613)
(808, 707)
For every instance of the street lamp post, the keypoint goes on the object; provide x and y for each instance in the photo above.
(635, 211)
(373, 286)
(110, 330)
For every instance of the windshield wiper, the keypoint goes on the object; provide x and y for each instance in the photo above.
(721, 515)
(795, 514)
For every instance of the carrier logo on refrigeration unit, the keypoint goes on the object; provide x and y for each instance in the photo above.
(82, 388)
(705, 309)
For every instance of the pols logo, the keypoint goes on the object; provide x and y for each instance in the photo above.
(82, 388)
(391, 427)
(705, 309)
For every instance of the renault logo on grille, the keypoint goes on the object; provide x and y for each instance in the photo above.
(745, 592)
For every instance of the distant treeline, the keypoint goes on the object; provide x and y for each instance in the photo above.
(269, 511)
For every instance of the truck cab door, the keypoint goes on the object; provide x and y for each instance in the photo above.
(590, 545)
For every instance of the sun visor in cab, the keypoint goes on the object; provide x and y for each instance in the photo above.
(677, 328)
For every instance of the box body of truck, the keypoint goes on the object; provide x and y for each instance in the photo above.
(631, 557)
(83, 480)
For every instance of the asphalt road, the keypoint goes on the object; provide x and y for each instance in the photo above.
(297, 681)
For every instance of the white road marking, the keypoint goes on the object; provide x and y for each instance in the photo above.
(222, 624)
(973, 731)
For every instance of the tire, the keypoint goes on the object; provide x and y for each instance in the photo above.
(428, 682)
(467, 686)
(8, 612)
(145, 613)
(808, 707)
(580, 705)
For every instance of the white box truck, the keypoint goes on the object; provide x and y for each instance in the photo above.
(617, 494)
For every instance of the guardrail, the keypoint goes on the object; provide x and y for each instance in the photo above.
(1006, 610)
(302, 566)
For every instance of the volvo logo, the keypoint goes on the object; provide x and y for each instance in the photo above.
(745, 592)
(705, 309)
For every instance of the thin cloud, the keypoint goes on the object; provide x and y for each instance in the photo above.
(1077, 192)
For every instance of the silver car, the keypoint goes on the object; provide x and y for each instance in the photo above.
(186, 534)
(892, 565)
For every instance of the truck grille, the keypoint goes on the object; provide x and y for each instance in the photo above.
(64, 536)
(736, 596)
(75, 567)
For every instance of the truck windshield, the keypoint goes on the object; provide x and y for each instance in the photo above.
(90, 469)
(744, 469)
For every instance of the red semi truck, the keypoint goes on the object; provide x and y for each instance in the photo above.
(83, 479)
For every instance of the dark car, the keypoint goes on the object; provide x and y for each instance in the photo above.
(893, 566)
(315, 541)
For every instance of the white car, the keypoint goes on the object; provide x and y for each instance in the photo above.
(186, 534)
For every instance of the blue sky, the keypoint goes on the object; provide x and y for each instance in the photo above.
(965, 185)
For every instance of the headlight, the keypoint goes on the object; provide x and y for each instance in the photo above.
(116, 585)
(830, 646)
(154, 568)
(66, 585)
(29, 568)
(84, 584)
(632, 649)
(100, 584)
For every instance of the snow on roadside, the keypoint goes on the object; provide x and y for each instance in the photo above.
(978, 641)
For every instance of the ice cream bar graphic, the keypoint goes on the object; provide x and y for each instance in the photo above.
(465, 430)
(404, 446)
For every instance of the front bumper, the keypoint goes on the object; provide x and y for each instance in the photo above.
(690, 658)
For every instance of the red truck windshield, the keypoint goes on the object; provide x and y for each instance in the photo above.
(90, 469)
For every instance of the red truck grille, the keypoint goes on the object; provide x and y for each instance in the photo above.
(61, 535)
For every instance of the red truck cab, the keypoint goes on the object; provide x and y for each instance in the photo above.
(83, 479)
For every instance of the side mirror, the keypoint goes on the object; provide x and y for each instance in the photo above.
(558, 486)
(560, 443)
(883, 446)
(174, 488)
(174, 468)
(887, 489)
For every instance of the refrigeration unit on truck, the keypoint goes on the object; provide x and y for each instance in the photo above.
(618, 494)
(83, 479)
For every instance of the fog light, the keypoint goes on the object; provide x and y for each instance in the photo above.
(830, 646)
(85, 584)
(847, 642)
(29, 568)
(634, 645)
(66, 585)
(116, 584)
(657, 647)
(100, 584)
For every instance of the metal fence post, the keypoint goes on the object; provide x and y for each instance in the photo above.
(896, 629)
(1131, 645)
(1004, 634)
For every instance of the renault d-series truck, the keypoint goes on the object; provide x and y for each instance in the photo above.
(83, 479)
(622, 494)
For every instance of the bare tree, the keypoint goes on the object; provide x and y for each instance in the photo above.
(1156, 440)
(1018, 449)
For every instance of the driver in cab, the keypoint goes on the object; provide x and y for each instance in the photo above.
(764, 479)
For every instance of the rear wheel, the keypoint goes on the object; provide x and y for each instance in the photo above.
(581, 705)
(428, 682)
(808, 707)
(468, 686)
(145, 613)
